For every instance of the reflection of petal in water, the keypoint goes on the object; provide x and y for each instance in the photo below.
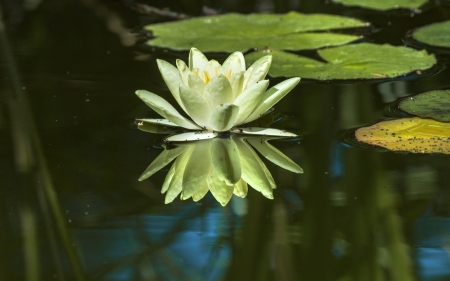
(225, 160)
(219, 189)
(240, 188)
(202, 190)
(222, 165)
(176, 182)
(274, 155)
(161, 161)
(196, 172)
(252, 169)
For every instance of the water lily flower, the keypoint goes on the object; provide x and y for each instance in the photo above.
(218, 98)
(227, 166)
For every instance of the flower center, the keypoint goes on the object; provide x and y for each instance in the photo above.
(207, 76)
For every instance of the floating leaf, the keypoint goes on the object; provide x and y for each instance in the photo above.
(357, 61)
(433, 104)
(408, 134)
(384, 5)
(236, 32)
(436, 34)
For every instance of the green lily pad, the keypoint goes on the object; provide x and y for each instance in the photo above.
(357, 61)
(236, 32)
(433, 104)
(384, 5)
(436, 34)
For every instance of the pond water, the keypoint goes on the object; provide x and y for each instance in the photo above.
(72, 208)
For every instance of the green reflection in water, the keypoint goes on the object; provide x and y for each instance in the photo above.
(221, 165)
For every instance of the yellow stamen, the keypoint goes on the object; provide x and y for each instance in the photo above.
(227, 74)
(207, 77)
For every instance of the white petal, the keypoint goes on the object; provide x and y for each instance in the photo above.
(163, 122)
(247, 75)
(223, 117)
(237, 84)
(259, 72)
(263, 132)
(197, 107)
(197, 168)
(200, 73)
(165, 109)
(176, 183)
(196, 84)
(191, 136)
(219, 189)
(184, 71)
(157, 126)
(225, 160)
(252, 172)
(212, 69)
(274, 155)
(272, 96)
(234, 63)
(249, 99)
(240, 189)
(172, 77)
(161, 161)
(218, 91)
(197, 59)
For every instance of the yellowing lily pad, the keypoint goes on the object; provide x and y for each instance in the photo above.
(356, 61)
(237, 32)
(433, 104)
(384, 5)
(414, 134)
(436, 34)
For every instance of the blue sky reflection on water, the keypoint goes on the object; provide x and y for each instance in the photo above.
(187, 243)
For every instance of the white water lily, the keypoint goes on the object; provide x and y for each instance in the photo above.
(217, 97)
(227, 165)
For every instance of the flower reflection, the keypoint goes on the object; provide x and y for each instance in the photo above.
(217, 97)
(224, 166)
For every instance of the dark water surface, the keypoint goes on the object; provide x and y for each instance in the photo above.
(72, 208)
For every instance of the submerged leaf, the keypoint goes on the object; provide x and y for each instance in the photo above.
(436, 34)
(384, 5)
(408, 134)
(433, 104)
(357, 61)
(236, 32)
